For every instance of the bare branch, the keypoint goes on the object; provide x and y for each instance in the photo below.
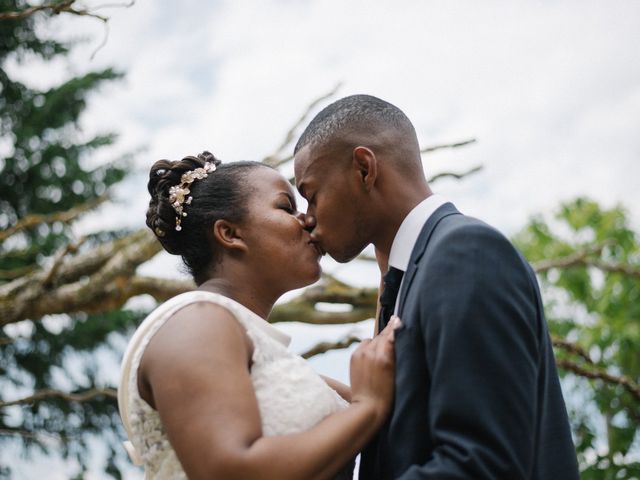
(611, 267)
(72, 397)
(105, 37)
(581, 259)
(597, 374)
(67, 7)
(302, 309)
(53, 8)
(294, 312)
(58, 258)
(433, 148)
(571, 348)
(31, 221)
(89, 293)
(276, 159)
(457, 176)
(324, 347)
(8, 275)
(73, 268)
(160, 288)
(576, 258)
(19, 15)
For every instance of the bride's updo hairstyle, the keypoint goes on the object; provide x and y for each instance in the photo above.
(221, 193)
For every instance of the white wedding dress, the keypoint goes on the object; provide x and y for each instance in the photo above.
(292, 397)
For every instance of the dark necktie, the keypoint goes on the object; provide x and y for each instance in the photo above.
(389, 295)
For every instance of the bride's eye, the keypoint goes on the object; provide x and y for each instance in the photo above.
(288, 204)
(287, 208)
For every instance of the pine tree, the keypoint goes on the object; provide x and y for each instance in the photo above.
(46, 179)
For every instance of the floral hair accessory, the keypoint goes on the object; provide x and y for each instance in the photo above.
(179, 194)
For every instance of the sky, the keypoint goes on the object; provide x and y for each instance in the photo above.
(550, 90)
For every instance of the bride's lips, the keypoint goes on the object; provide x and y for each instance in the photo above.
(318, 248)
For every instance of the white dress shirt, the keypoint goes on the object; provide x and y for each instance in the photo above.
(409, 231)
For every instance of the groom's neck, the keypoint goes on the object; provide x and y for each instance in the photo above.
(398, 203)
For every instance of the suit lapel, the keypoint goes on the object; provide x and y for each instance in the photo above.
(420, 247)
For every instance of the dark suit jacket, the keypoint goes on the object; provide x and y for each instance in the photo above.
(477, 392)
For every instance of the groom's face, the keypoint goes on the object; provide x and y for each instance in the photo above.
(334, 213)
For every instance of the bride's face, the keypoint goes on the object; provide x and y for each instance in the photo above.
(278, 244)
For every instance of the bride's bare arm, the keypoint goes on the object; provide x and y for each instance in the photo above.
(196, 373)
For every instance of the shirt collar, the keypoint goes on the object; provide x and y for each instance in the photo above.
(410, 229)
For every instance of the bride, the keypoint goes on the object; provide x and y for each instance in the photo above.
(208, 388)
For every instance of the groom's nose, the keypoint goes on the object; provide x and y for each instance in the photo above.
(309, 222)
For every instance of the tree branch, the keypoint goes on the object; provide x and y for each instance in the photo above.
(571, 348)
(457, 176)
(72, 397)
(275, 159)
(433, 148)
(58, 259)
(611, 267)
(72, 268)
(302, 309)
(67, 7)
(31, 221)
(9, 275)
(597, 374)
(576, 258)
(324, 347)
(53, 8)
(581, 258)
(89, 293)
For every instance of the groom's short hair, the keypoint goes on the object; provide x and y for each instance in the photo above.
(363, 113)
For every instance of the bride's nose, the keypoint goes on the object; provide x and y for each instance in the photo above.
(309, 221)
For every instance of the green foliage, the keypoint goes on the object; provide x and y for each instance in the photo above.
(45, 168)
(595, 304)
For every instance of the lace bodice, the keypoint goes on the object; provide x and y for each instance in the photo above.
(292, 397)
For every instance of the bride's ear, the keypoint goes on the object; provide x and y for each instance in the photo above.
(229, 235)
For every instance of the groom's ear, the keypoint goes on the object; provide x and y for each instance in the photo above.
(229, 235)
(366, 166)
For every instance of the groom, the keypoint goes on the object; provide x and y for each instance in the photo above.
(477, 392)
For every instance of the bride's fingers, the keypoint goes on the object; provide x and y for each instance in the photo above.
(388, 331)
(383, 344)
(394, 322)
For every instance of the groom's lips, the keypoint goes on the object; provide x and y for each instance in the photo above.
(318, 248)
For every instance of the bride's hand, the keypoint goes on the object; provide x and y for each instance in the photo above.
(372, 371)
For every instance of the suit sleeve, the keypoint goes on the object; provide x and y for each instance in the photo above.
(478, 321)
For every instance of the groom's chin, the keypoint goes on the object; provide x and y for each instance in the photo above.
(343, 256)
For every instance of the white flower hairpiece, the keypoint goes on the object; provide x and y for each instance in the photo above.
(179, 194)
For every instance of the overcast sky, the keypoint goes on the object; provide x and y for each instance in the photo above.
(550, 90)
